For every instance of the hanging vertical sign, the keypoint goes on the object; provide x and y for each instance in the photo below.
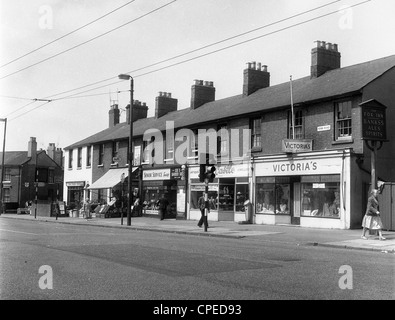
(373, 121)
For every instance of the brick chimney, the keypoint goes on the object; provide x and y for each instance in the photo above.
(32, 150)
(56, 154)
(202, 92)
(164, 103)
(140, 111)
(324, 57)
(256, 77)
(113, 114)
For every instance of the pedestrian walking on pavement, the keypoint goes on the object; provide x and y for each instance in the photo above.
(202, 207)
(162, 203)
(372, 220)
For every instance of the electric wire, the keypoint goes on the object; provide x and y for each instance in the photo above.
(218, 50)
(87, 41)
(198, 49)
(67, 34)
(206, 54)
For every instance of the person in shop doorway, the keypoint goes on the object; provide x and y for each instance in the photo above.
(372, 220)
(162, 204)
(202, 207)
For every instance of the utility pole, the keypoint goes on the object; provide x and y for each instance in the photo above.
(3, 167)
(130, 155)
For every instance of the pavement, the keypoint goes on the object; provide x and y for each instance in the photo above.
(345, 239)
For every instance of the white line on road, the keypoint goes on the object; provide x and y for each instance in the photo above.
(36, 234)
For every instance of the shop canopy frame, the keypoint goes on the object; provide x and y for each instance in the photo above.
(111, 178)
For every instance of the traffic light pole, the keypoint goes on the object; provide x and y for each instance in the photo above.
(205, 204)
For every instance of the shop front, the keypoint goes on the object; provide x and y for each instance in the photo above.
(163, 183)
(227, 193)
(75, 193)
(311, 189)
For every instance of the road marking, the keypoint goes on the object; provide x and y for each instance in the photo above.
(36, 234)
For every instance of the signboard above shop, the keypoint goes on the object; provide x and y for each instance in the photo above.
(373, 121)
(296, 146)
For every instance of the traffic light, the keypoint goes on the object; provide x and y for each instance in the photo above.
(202, 172)
(210, 173)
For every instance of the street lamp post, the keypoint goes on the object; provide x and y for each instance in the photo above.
(130, 154)
(3, 167)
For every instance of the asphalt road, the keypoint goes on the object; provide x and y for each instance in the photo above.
(90, 262)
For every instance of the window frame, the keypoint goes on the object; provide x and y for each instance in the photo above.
(101, 154)
(343, 124)
(299, 124)
(70, 162)
(89, 156)
(256, 134)
(79, 157)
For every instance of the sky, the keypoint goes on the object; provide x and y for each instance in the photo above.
(149, 32)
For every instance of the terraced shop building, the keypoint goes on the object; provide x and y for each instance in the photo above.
(313, 171)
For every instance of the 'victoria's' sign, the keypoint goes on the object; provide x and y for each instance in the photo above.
(373, 121)
(296, 146)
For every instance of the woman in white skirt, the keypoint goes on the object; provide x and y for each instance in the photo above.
(372, 220)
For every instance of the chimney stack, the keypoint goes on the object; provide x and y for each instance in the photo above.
(113, 116)
(32, 150)
(164, 103)
(324, 57)
(56, 154)
(202, 92)
(256, 77)
(140, 111)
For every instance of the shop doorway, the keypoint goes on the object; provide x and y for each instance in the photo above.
(226, 199)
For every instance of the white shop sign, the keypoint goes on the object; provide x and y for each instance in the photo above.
(159, 174)
(299, 167)
(223, 171)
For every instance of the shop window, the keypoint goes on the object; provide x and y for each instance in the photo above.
(198, 190)
(241, 196)
(320, 196)
(70, 159)
(343, 120)
(273, 195)
(299, 134)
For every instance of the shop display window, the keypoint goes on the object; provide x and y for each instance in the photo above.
(273, 195)
(196, 193)
(320, 198)
(226, 197)
(241, 196)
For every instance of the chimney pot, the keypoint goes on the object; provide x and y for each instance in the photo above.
(328, 46)
(253, 65)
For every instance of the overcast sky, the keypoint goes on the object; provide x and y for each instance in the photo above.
(363, 33)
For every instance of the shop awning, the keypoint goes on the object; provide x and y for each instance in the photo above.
(111, 178)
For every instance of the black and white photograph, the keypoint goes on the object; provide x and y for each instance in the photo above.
(197, 159)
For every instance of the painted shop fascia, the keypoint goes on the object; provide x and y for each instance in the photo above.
(306, 189)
